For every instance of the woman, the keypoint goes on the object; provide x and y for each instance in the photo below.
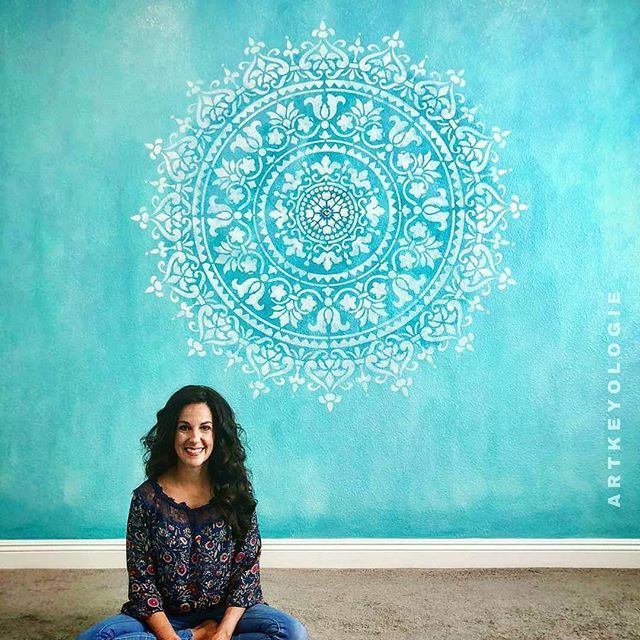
(193, 542)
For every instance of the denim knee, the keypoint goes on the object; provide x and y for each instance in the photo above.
(280, 626)
(297, 631)
(292, 629)
(114, 627)
(92, 633)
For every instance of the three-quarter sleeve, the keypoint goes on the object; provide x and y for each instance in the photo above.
(244, 585)
(144, 597)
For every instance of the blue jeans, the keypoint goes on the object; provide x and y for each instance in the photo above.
(259, 622)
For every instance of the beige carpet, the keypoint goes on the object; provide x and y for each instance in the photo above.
(407, 604)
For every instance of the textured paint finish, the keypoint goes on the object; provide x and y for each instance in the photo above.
(509, 440)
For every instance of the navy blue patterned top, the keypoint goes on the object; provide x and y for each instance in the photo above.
(181, 559)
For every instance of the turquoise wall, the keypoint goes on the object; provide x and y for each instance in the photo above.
(507, 440)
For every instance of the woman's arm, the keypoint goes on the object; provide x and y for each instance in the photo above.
(144, 597)
(244, 588)
(228, 623)
(161, 626)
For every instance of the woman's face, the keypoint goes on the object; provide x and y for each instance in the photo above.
(194, 437)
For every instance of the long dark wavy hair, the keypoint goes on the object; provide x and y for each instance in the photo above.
(233, 491)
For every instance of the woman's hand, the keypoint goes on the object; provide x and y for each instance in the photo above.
(206, 631)
(223, 630)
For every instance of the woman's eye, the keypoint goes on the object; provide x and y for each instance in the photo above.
(206, 428)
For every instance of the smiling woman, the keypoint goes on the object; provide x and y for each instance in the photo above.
(193, 541)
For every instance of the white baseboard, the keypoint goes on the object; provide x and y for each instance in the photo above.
(351, 553)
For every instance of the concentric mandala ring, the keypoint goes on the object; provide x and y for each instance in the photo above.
(329, 215)
(282, 215)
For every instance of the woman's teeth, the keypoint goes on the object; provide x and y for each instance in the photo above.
(194, 452)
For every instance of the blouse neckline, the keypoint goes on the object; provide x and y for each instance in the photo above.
(181, 505)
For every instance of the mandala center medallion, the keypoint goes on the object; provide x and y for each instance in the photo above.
(326, 213)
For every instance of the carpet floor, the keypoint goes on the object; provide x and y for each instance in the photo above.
(366, 604)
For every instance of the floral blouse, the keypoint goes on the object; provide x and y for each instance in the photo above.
(182, 560)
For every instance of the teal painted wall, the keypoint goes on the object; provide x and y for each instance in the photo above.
(509, 440)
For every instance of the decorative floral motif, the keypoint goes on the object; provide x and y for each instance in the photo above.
(329, 214)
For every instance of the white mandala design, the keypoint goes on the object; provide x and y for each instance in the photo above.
(329, 215)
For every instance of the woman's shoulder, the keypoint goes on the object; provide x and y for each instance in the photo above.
(144, 493)
(143, 488)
